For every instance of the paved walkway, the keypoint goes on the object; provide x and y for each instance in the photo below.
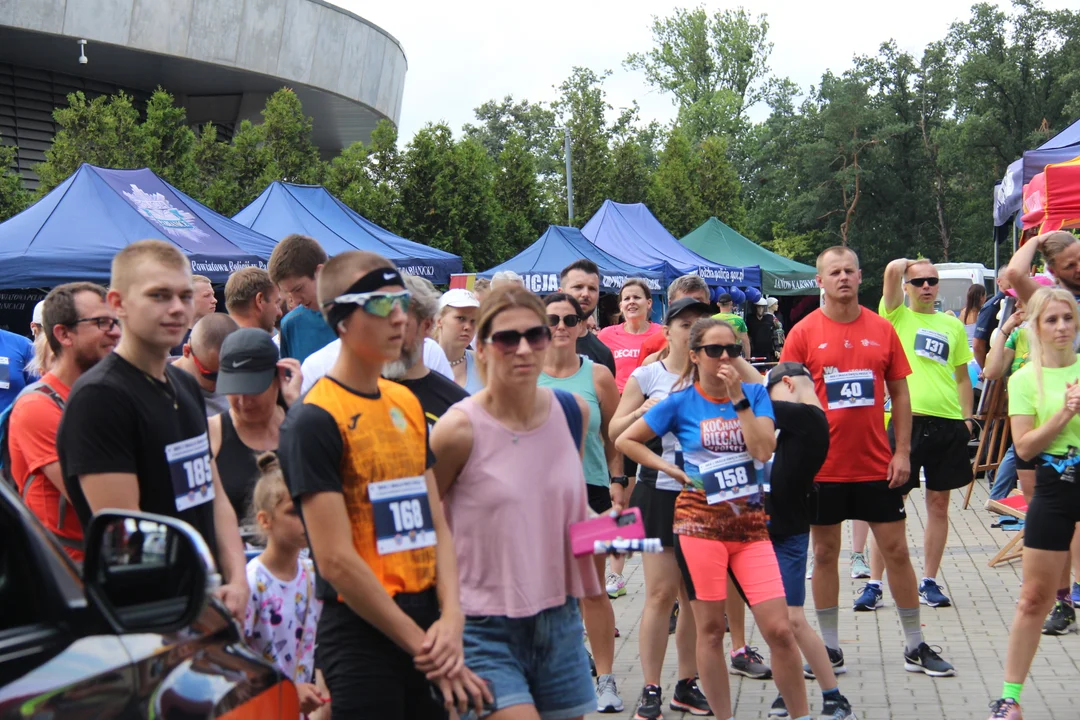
(972, 635)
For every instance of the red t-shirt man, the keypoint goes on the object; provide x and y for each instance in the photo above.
(653, 344)
(851, 362)
(32, 430)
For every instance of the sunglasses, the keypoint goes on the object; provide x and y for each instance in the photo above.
(103, 323)
(919, 282)
(509, 341)
(568, 320)
(211, 376)
(379, 304)
(733, 350)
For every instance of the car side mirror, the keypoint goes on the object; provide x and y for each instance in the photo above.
(145, 572)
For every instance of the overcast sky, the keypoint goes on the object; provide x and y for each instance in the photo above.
(464, 53)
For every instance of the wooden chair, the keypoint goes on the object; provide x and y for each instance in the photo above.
(994, 438)
(1015, 506)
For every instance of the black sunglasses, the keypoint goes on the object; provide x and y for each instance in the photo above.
(509, 340)
(733, 350)
(568, 320)
(103, 323)
(919, 282)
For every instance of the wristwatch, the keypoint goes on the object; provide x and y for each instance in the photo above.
(620, 480)
(743, 404)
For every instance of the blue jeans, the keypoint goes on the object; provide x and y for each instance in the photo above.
(1005, 477)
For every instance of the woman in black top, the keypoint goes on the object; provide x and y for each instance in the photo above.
(260, 387)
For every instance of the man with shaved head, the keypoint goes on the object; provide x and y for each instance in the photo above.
(134, 434)
(201, 360)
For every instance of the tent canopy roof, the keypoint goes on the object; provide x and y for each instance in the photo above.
(540, 263)
(632, 233)
(73, 232)
(1009, 193)
(284, 208)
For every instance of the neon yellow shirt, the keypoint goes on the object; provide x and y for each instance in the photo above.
(1021, 347)
(1024, 400)
(935, 345)
(732, 318)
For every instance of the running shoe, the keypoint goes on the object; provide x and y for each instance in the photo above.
(607, 695)
(870, 599)
(859, 568)
(1005, 709)
(1076, 593)
(616, 585)
(930, 594)
(837, 709)
(836, 657)
(926, 660)
(689, 698)
(1062, 619)
(674, 619)
(779, 708)
(651, 705)
(749, 663)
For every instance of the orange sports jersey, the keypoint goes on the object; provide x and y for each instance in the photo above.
(653, 344)
(382, 438)
(851, 362)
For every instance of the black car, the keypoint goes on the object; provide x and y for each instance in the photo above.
(138, 636)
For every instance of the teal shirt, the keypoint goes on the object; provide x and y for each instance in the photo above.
(581, 384)
(303, 332)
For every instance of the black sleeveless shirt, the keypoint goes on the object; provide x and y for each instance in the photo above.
(236, 465)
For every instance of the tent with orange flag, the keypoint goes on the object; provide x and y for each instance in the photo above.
(1052, 198)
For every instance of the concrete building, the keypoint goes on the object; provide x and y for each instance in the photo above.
(221, 59)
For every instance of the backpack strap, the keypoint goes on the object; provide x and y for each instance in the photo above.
(573, 414)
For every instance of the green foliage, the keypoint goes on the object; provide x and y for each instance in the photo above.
(13, 196)
(673, 193)
(582, 107)
(286, 137)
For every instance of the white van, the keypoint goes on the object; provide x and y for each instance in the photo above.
(956, 278)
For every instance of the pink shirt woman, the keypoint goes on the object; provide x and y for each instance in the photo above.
(626, 339)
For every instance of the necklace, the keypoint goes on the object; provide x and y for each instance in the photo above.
(457, 362)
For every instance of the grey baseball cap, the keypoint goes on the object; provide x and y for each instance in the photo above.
(248, 362)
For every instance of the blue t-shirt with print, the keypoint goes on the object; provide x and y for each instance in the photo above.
(303, 332)
(16, 352)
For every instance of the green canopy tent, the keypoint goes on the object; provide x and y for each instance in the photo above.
(717, 242)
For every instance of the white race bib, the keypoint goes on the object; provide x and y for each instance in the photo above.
(402, 515)
(854, 388)
(189, 468)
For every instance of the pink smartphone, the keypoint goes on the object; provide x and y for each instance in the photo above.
(627, 526)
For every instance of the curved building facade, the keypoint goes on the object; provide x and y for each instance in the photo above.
(220, 59)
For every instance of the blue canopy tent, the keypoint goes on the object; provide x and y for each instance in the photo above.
(73, 232)
(633, 234)
(1009, 193)
(539, 264)
(283, 209)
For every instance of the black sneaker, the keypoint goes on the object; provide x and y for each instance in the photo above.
(651, 705)
(926, 660)
(836, 657)
(674, 618)
(779, 708)
(749, 663)
(837, 709)
(689, 698)
(1062, 620)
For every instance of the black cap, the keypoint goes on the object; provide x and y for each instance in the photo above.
(682, 305)
(783, 370)
(724, 299)
(248, 362)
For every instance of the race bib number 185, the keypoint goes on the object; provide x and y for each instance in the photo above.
(854, 388)
(189, 469)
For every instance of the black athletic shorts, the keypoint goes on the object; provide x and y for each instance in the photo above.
(1053, 512)
(1022, 464)
(599, 498)
(367, 674)
(832, 503)
(629, 467)
(657, 511)
(939, 447)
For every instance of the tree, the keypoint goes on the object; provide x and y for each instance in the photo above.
(286, 134)
(534, 123)
(366, 178)
(13, 196)
(629, 173)
(582, 107)
(213, 184)
(168, 142)
(674, 195)
(718, 183)
(714, 67)
(517, 192)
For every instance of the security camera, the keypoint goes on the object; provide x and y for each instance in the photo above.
(82, 52)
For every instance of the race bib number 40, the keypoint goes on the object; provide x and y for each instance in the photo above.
(932, 346)
(189, 469)
(854, 388)
(402, 515)
(729, 478)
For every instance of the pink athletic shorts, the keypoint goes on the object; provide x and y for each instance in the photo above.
(705, 565)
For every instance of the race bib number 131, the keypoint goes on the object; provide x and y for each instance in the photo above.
(932, 346)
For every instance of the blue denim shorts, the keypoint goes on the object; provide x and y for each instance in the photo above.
(791, 553)
(538, 660)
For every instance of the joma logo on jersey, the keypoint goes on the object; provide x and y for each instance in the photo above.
(720, 435)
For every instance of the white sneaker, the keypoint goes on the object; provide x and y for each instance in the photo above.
(859, 568)
(607, 695)
(616, 585)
